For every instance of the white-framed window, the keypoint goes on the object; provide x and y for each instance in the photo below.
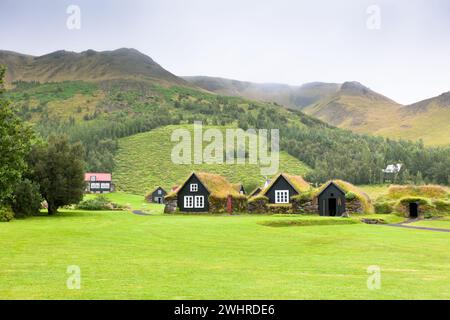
(93, 178)
(159, 191)
(282, 196)
(105, 185)
(95, 185)
(188, 201)
(194, 187)
(199, 202)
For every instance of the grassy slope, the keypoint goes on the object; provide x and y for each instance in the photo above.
(143, 162)
(122, 255)
(432, 127)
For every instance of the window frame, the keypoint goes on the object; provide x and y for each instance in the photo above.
(188, 202)
(193, 187)
(95, 185)
(282, 196)
(103, 185)
(202, 198)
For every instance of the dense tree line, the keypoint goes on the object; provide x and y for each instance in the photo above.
(131, 108)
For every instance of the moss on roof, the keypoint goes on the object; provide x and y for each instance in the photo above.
(217, 185)
(396, 192)
(348, 187)
(296, 181)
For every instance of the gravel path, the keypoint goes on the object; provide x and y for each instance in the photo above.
(141, 213)
(402, 225)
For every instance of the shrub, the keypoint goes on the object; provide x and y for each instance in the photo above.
(27, 199)
(384, 207)
(350, 196)
(6, 214)
(442, 206)
(99, 203)
(303, 197)
(259, 198)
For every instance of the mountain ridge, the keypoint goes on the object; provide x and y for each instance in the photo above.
(349, 105)
(88, 65)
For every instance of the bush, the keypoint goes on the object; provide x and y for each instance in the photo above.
(350, 196)
(99, 203)
(384, 207)
(303, 197)
(6, 214)
(442, 206)
(27, 199)
(259, 198)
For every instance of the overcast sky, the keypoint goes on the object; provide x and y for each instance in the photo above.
(404, 55)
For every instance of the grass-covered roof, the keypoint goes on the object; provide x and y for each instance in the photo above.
(217, 185)
(297, 182)
(348, 187)
(396, 192)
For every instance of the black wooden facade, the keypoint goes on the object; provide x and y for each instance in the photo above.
(331, 201)
(280, 185)
(191, 201)
(158, 195)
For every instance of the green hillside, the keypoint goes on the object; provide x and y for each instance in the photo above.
(143, 162)
(137, 95)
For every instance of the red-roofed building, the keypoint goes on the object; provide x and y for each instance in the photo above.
(98, 182)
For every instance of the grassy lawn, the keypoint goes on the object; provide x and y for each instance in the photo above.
(122, 255)
(441, 223)
(135, 202)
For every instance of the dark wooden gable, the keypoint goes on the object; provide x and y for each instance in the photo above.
(280, 184)
(186, 191)
(158, 197)
(331, 200)
(157, 194)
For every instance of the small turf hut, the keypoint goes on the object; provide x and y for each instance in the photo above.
(334, 198)
(414, 201)
(338, 197)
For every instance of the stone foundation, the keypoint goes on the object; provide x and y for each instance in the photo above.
(171, 206)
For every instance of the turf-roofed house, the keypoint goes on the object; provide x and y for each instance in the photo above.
(206, 192)
(334, 198)
(277, 195)
(98, 182)
(157, 196)
(414, 201)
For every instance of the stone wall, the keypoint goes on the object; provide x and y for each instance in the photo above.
(353, 207)
(171, 206)
(302, 206)
(279, 208)
(258, 205)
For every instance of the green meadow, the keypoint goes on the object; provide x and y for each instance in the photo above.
(122, 255)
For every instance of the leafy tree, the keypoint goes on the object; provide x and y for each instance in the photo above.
(27, 199)
(15, 143)
(58, 167)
